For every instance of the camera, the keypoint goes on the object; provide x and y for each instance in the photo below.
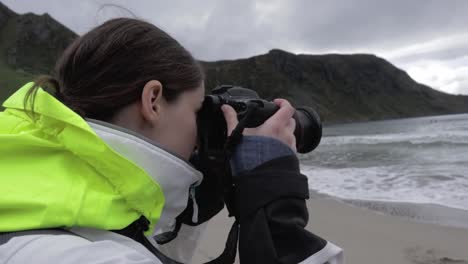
(212, 129)
(210, 156)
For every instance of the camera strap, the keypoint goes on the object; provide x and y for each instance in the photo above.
(234, 139)
(230, 250)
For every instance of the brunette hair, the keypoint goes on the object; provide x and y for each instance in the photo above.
(107, 68)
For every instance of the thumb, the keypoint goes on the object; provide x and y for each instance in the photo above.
(231, 118)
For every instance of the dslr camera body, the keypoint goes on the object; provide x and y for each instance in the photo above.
(212, 157)
(212, 129)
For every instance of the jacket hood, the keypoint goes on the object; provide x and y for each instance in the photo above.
(57, 170)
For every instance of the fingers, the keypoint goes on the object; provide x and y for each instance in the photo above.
(285, 112)
(280, 126)
(282, 123)
(291, 126)
(231, 118)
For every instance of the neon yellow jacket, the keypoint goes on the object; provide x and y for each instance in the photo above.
(56, 172)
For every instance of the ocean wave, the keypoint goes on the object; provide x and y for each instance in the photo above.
(450, 138)
(439, 184)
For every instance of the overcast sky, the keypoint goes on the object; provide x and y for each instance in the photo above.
(427, 38)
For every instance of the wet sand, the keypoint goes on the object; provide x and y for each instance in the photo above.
(369, 237)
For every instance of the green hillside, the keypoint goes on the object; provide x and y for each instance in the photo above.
(29, 46)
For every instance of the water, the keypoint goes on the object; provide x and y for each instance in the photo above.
(416, 160)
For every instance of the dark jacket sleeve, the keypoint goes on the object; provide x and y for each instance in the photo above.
(273, 214)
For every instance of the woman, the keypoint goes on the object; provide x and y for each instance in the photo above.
(98, 170)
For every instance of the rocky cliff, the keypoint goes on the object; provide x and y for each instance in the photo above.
(342, 88)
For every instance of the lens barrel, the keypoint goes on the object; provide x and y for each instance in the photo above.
(308, 130)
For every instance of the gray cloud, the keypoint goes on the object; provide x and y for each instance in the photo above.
(380, 24)
(449, 75)
(215, 30)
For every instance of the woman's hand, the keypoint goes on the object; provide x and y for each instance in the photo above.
(280, 126)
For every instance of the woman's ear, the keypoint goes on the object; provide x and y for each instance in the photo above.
(152, 100)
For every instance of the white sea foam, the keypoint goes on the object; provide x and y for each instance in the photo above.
(455, 137)
(393, 183)
(421, 160)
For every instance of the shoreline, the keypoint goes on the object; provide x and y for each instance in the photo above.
(369, 237)
(366, 236)
(417, 212)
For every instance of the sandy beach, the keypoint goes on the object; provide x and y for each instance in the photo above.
(367, 237)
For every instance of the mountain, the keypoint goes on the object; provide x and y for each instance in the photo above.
(343, 88)
(29, 46)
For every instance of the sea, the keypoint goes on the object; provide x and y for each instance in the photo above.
(418, 161)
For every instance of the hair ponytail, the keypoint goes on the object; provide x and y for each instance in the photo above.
(43, 81)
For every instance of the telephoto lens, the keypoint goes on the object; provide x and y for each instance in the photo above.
(308, 130)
